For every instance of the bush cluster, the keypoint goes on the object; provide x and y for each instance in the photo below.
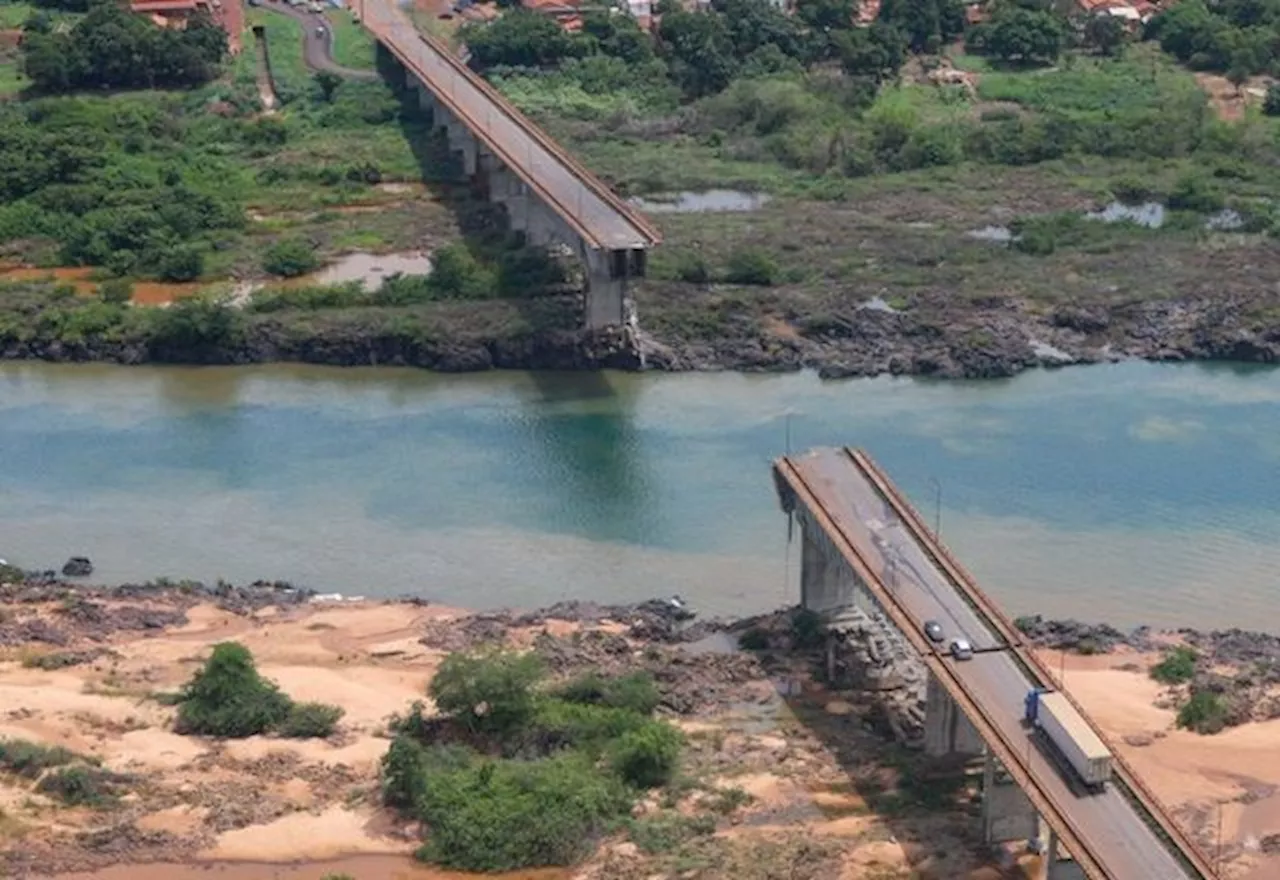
(1176, 667)
(229, 698)
(533, 774)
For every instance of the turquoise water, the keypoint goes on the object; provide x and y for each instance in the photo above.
(1133, 492)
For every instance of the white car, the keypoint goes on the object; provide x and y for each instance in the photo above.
(961, 649)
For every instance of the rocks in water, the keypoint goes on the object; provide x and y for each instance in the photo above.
(77, 566)
(1073, 635)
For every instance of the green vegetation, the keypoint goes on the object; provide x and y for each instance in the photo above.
(352, 45)
(75, 780)
(1177, 666)
(82, 786)
(89, 54)
(290, 257)
(1203, 712)
(228, 698)
(30, 760)
(521, 774)
(665, 832)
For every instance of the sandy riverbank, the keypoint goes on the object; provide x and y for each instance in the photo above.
(257, 808)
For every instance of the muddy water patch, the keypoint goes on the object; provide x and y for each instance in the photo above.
(998, 234)
(712, 200)
(81, 278)
(370, 270)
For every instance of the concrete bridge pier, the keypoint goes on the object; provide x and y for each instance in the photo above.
(946, 729)
(1056, 866)
(1007, 813)
(607, 271)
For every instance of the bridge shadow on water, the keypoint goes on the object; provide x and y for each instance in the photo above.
(583, 431)
(930, 806)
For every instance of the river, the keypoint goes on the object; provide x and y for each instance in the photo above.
(1134, 492)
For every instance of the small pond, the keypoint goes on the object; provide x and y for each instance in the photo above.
(697, 202)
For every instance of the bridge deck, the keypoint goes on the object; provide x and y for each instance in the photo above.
(908, 575)
(596, 213)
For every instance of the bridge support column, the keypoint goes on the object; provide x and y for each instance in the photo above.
(1057, 868)
(826, 581)
(1007, 814)
(606, 304)
(946, 729)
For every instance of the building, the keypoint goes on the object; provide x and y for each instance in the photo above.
(227, 14)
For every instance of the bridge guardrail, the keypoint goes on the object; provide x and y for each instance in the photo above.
(1147, 799)
(1013, 762)
(394, 29)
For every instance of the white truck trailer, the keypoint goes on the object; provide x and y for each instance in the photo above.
(1054, 716)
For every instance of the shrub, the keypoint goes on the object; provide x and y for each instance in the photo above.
(647, 757)
(455, 273)
(181, 262)
(754, 639)
(1203, 713)
(30, 759)
(507, 815)
(1271, 104)
(490, 691)
(402, 772)
(807, 629)
(116, 291)
(1195, 193)
(692, 268)
(635, 691)
(752, 266)
(667, 831)
(80, 786)
(558, 723)
(290, 257)
(1177, 666)
(192, 325)
(307, 720)
(229, 698)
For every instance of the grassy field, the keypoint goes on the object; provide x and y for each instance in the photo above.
(352, 45)
(12, 15)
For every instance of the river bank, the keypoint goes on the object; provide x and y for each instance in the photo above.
(682, 328)
(818, 780)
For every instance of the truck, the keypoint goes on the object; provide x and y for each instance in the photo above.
(1056, 719)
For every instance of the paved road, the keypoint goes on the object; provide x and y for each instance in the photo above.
(1115, 829)
(595, 212)
(317, 49)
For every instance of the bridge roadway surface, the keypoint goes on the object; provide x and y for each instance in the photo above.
(1114, 829)
(594, 211)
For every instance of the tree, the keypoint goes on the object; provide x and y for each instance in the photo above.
(1271, 105)
(229, 698)
(520, 38)
(927, 24)
(754, 24)
(617, 35)
(877, 52)
(490, 691)
(1105, 33)
(290, 257)
(826, 15)
(327, 83)
(111, 47)
(1023, 36)
(699, 51)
